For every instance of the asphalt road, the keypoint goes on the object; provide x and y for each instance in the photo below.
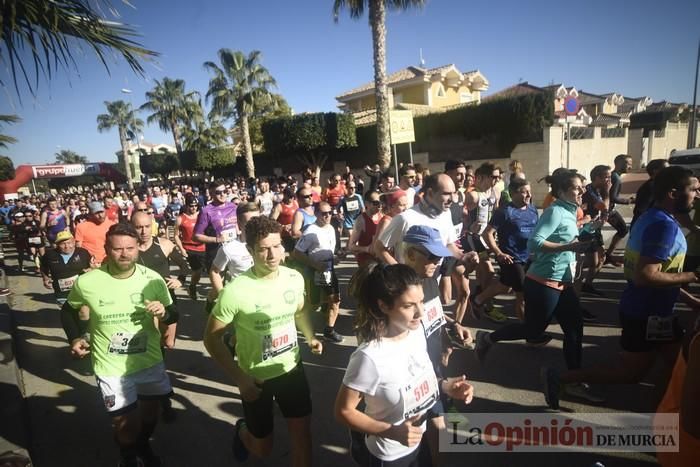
(70, 428)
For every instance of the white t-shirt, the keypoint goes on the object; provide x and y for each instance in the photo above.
(398, 382)
(233, 256)
(392, 236)
(266, 201)
(410, 196)
(318, 243)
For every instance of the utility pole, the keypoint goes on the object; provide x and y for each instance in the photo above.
(692, 127)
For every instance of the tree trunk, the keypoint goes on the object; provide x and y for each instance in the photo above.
(176, 136)
(125, 156)
(247, 147)
(377, 18)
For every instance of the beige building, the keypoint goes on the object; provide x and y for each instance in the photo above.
(133, 155)
(417, 89)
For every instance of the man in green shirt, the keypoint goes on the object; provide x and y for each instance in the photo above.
(125, 300)
(265, 306)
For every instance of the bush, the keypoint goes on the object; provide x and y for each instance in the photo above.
(159, 164)
(7, 169)
(207, 159)
(310, 132)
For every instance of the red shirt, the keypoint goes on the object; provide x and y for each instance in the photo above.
(333, 195)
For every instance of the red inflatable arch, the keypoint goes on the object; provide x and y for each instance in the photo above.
(25, 173)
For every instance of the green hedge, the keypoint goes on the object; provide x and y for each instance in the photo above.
(309, 132)
(159, 164)
(207, 159)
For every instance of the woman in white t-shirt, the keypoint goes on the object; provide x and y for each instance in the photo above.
(391, 370)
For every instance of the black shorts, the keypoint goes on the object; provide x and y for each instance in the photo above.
(195, 259)
(473, 242)
(513, 276)
(209, 256)
(448, 266)
(293, 397)
(692, 263)
(596, 237)
(634, 334)
(319, 293)
(618, 223)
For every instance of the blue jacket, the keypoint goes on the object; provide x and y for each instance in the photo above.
(557, 225)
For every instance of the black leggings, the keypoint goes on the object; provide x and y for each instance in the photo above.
(541, 303)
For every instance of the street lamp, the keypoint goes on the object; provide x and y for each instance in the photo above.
(133, 123)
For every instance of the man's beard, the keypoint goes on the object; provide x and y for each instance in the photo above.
(681, 206)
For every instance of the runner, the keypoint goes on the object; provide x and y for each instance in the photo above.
(265, 307)
(305, 215)
(315, 251)
(283, 212)
(653, 269)
(623, 164)
(424, 250)
(644, 199)
(394, 203)
(123, 298)
(91, 233)
(391, 370)
(407, 179)
(365, 228)
(62, 265)
(596, 205)
(190, 249)
(216, 223)
(265, 199)
(53, 220)
(35, 237)
(350, 209)
(548, 286)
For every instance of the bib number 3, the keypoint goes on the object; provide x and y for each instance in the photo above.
(123, 343)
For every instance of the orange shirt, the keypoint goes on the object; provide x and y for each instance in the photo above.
(333, 195)
(92, 237)
(549, 199)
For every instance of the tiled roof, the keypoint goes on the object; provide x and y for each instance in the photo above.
(369, 117)
(405, 74)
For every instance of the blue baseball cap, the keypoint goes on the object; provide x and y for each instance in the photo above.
(427, 237)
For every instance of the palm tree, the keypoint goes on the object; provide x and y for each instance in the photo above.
(377, 21)
(119, 114)
(169, 103)
(66, 156)
(37, 35)
(6, 140)
(239, 87)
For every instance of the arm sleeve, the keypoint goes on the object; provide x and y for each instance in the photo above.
(657, 240)
(550, 220)
(362, 374)
(72, 326)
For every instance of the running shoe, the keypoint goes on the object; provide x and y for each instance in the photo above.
(582, 391)
(541, 341)
(240, 452)
(589, 289)
(550, 387)
(483, 345)
(5, 292)
(495, 315)
(332, 335)
(587, 316)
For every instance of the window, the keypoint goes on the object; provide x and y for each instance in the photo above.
(440, 91)
(398, 98)
(465, 97)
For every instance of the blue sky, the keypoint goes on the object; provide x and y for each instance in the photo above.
(634, 48)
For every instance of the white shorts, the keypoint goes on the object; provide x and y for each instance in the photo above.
(119, 393)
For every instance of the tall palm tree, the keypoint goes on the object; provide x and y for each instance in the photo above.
(377, 21)
(38, 37)
(120, 114)
(239, 86)
(168, 103)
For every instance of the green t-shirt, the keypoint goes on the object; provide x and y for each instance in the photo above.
(262, 313)
(124, 337)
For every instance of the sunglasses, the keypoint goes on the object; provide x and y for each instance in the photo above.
(150, 212)
(495, 177)
(325, 213)
(376, 202)
(142, 210)
(306, 196)
(192, 205)
(428, 255)
(219, 192)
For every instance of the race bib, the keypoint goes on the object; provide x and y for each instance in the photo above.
(35, 240)
(434, 319)
(229, 235)
(66, 284)
(124, 343)
(353, 205)
(420, 394)
(660, 328)
(281, 341)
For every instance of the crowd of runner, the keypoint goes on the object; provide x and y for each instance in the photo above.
(430, 249)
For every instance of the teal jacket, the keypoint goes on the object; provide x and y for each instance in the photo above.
(557, 225)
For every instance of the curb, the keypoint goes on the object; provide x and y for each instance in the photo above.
(14, 429)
